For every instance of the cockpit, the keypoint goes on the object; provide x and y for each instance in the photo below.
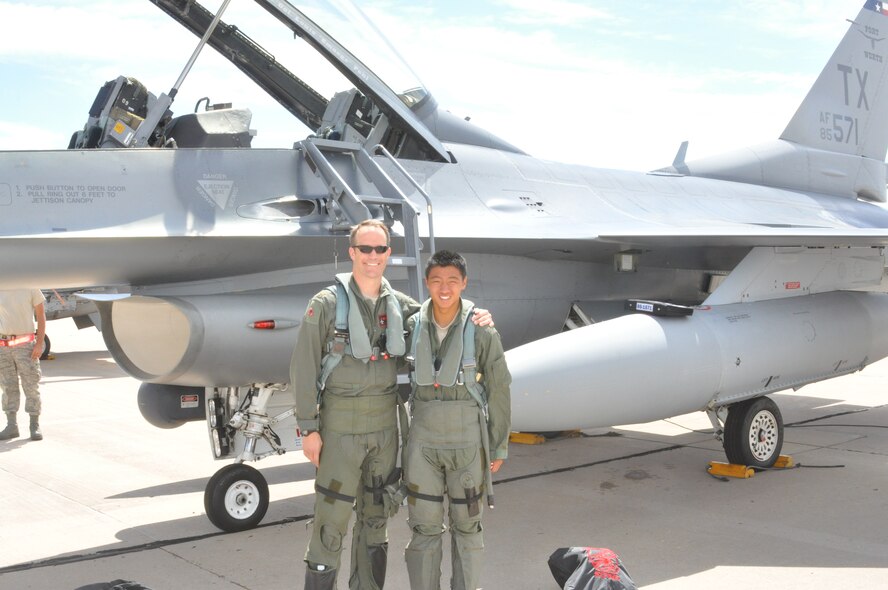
(386, 104)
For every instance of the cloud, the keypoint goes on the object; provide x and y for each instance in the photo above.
(615, 91)
(16, 136)
(552, 12)
(87, 30)
(812, 19)
(582, 103)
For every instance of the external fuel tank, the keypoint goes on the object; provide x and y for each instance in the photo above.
(638, 368)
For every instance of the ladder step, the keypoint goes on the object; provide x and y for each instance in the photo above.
(352, 207)
(330, 145)
(376, 200)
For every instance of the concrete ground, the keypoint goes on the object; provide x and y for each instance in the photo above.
(107, 496)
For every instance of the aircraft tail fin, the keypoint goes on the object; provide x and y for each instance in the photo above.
(846, 110)
(836, 142)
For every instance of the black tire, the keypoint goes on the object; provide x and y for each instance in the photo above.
(46, 347)
(754, 433)
(236, 498)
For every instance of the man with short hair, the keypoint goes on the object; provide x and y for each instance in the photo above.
(459, 432)
(344, 380)
(20, 350)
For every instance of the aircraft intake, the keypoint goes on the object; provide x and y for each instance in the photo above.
(638, 368)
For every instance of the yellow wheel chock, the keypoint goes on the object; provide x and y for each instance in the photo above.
(730, 470)
(526, 438)
(742, 471)
(784, 462)
(531, 438)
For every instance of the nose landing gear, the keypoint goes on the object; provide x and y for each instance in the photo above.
(236, 498)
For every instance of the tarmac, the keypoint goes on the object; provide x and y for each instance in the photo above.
(106, 496)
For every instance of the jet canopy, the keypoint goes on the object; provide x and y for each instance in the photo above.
(387, 104)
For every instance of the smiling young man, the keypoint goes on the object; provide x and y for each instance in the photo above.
(344, 379)
(459, 433)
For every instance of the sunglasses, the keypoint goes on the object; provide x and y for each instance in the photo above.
(369, 249)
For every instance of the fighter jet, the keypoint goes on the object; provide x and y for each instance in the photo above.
(622, 297)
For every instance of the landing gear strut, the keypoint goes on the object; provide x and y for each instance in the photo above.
(236, 497)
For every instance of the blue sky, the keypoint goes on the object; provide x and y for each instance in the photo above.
(605, 83)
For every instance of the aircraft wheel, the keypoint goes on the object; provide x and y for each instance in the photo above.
(236, 498)
(46, 346)
(754, 433)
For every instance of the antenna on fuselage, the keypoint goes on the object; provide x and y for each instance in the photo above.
(156, 112)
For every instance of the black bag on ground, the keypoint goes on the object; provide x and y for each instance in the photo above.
(114, 585)
(589, 568)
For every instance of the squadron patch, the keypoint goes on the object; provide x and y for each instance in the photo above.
(310, 315)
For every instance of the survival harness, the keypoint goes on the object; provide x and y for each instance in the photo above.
(465, 374)
(350, 336)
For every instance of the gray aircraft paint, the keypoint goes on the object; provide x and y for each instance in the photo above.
(202, 240)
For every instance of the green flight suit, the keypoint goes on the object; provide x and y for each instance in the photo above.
(445, 452)
(357, 420)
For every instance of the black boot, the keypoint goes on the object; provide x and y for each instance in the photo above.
(12, 429)
(319, 579)
(35, 428)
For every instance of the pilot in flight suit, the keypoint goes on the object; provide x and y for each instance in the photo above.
(349, 421)
(455, 441)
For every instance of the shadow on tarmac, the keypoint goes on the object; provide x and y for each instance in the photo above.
(273, 475)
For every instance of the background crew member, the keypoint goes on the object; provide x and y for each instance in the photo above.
(20, 350)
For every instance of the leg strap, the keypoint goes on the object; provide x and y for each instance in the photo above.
(413, 492)
(473, 496)
(379, 486)
(332, 493)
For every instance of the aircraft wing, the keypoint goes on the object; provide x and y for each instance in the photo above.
(751, 236)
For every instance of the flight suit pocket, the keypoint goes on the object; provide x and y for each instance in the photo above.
(348, 376)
